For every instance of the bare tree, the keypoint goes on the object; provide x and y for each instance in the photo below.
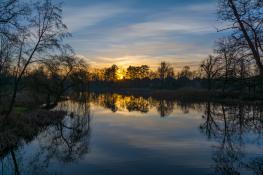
(45, 31)
(12, 13)
(137, 72)
(62, 73)
(211, 69)
(110, 73)
(246, 18)
(165, 70)
(185, 73)
(5, 54)
(228, 53)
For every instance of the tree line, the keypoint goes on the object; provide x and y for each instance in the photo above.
(33, 55)
(164, 71)
(235, 65)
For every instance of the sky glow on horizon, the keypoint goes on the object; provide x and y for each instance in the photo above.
(135, 32)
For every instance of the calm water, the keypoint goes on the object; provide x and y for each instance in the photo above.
(114, 134)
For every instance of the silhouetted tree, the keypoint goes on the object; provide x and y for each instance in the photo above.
(63, 72)
(97, 75)
(228, 55)
(246, 18)
(6, 50)
(111, 73)
(12, 12)
(186, 73)
(137, 72)
(153, 74)
(211, 69)
(45, 31)
(165, 70)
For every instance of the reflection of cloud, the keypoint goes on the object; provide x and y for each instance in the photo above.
(148, 134)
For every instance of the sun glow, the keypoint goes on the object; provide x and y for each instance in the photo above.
(120, 74)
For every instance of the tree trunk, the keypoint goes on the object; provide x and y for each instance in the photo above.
(12, 102)
(254, 51)
(48, 100)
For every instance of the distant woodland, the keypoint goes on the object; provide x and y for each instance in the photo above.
(36, 62)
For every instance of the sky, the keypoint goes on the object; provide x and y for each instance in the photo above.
(136, 32)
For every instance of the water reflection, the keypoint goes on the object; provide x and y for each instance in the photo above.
(17, 131)
(165, 108)
(44, 142)
(66, 142)
(232, 128)
(116, 102)
(61, 135)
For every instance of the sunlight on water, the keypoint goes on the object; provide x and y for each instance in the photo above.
(116, 134)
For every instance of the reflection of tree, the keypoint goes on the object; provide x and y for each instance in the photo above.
(105, 100)
(165, 107)
(137, 104)
(110, 102)
(229, 125)
(229, 153)
(116, 102)
(10, 161)
(209, 127)
(227, 158)
(18, 129)
(256, 166)
(60, 138)
(67, 141)
(10, 158)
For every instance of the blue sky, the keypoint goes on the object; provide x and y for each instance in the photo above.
(138, 32)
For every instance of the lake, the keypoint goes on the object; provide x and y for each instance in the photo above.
(116, 134)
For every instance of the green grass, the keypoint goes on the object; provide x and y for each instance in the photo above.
(20, 110)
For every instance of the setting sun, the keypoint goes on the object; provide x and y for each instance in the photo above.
(120, 74)
(143, 87)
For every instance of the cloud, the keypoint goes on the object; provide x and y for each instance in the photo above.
(192, 19)
(113, 34)
(202, 7)
(137, 60)
(78, 18)
(153, 28)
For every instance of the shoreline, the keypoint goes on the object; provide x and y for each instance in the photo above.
(187, 94)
